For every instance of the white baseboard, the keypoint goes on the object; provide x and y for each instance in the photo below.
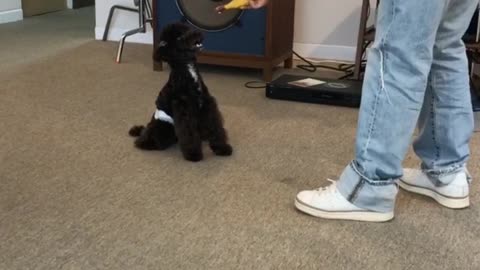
(115, 34)
(330, 52)
(11, 15)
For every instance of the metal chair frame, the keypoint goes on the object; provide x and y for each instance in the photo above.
(145, 13)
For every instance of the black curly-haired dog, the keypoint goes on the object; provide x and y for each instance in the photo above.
(185, 110)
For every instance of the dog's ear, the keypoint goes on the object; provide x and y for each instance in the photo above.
(158, 50)
(162, 43)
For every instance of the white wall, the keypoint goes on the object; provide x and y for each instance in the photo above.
(122, 21)
(323, 29)
(10, 10)
(327, 29)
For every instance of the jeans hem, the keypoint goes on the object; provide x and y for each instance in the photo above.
(373, 182)
(373, 195)
(439, 172)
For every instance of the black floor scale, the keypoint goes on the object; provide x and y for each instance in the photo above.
(315, 90)
(476, 102)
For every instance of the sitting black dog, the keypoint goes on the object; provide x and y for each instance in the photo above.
(185, 111)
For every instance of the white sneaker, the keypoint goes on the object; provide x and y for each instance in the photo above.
(328, 203)
(453, 195)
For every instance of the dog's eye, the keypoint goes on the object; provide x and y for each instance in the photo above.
(162, 43)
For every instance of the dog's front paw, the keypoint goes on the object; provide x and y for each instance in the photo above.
(193, 156)
(222, 150)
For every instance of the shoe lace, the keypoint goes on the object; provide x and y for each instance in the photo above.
(332, 188)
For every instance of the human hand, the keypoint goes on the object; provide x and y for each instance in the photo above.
(255, 4)
(242, 4)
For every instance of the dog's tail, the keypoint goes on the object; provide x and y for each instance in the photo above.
(135, 131)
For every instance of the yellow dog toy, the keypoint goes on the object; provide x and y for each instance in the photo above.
(234, 4)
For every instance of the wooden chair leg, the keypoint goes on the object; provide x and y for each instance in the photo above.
(288, 63)
(268, 73)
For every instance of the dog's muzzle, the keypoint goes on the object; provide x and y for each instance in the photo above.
(199, 46)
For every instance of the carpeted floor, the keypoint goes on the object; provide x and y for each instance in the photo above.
(41, 36)
(75, 194)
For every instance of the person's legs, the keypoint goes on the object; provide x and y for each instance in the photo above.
(446, 121)
(393, 92)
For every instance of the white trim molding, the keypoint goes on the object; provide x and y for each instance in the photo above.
(11, 15)
(328, 52)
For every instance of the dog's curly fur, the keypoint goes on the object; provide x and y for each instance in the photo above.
(185, 98)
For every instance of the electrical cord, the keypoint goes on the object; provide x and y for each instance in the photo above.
(347, 69)
(255, 84)
(313, 67)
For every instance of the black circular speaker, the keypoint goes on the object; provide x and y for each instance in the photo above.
(202, 14)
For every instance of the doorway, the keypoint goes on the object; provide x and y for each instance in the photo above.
(35, 7)
(82, 3)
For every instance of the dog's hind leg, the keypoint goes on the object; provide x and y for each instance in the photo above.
(136, 131)
(164, 135)
(158, 135)
(145, 140)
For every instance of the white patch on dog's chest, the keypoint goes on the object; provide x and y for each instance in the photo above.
(162, 116)
(194, 74)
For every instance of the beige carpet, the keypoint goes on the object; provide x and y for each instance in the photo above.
(41, 36)
(75, 194)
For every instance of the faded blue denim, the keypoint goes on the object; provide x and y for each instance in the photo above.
(417, 72)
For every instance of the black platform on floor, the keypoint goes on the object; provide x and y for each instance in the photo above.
(475, 92)
(333, 92)
(476, 103)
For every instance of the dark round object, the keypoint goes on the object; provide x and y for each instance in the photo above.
(202, 14)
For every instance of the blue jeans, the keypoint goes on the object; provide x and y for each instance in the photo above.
(417, 72)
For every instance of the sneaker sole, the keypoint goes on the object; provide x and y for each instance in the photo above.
(449, 202)
(352, 215)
